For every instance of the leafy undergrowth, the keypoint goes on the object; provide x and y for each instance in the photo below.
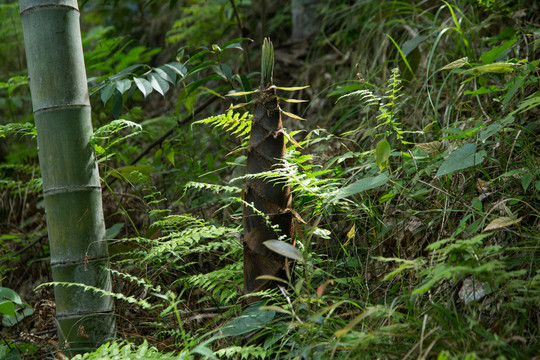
(416, 186)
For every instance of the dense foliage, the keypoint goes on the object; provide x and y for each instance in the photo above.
(415, 179)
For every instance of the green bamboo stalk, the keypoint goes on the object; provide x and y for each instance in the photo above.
(71, 183)
(269, 198)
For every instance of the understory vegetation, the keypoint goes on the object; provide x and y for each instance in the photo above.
(413, 164)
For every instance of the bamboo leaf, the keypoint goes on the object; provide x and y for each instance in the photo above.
(291, 115)
(272, 278)
(285, 249)
(241, 93)
(292, 88)
(294, 101)
(502, 222)
(291, 139)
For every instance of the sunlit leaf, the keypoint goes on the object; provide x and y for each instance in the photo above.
(253, 318)
(143, 85)
(295, 101)
(293, 88)
(107, 92)
(178, 68)
(362, 185)
(496, 68)
(291, 115)
(502, 222)
(284, 249)
(271, 278)
(241, 93)
(462, 158)
(123, 85)
(382, 153)
(456, 64)
(157, 82)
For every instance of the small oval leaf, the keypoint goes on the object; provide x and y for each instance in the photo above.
(285, 249)
(382, 153)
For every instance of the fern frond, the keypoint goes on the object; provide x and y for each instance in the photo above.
(115, 351)
(368, 97)
(244, 352)
(130, 299)
(222, 283)
(212, 187)
(233, 123)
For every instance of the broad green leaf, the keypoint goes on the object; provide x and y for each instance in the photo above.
(7, 308)
(204, 351)
(123, 85)
(157, 82)
(495, 127)
(144, 86)
(8, 294)
(462, 158)
(492, 55)
(412, 44)
(382, 153)
(501, 222)
(362, 185)
(107, 92)
(253, 318)
(178, 68)
(526, 180)
(285, 249)
(495, 68)
(113, 231)
(167, 75)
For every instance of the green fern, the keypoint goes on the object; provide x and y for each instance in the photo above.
(223, 284)
(130, 299)
(244, 352)
(234, 123)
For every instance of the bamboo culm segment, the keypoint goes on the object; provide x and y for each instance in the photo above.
(71, 183)
(272, 198)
